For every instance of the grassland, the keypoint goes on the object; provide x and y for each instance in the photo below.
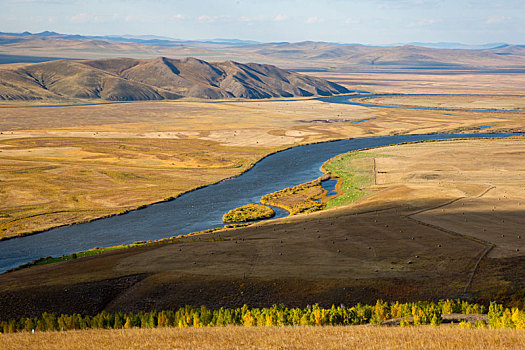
(428, 81)
(422, 232)
(49, 182)
(507, 103)
(485, 199)
(249, 212)
(57, 164)
(356, 337)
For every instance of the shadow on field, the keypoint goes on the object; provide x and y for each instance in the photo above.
(342, 256)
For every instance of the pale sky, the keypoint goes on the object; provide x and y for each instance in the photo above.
(345, 21)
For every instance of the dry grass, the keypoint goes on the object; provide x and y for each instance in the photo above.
(57, 164)
(482, 179)
(249, 212)
(303, 198)
(48, 182)
(476, 102)
(355, 337)
(428, 81)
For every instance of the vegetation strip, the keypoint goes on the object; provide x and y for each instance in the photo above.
(303, 198)
(416, 313)
(249, 212)
(356, 172)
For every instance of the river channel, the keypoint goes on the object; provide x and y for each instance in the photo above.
(350, 100)
(200, 209)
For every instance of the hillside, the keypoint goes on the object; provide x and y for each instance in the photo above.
(126, 79)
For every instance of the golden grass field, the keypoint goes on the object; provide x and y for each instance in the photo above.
(486, 190)
(353, 337)
(54, 181)
(428, 81)
(476, 102)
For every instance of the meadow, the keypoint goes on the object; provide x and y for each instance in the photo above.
(48, 182)
(507, 103)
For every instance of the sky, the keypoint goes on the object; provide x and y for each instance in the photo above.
(370, 22)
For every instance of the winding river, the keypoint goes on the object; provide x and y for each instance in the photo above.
(200, 209)
(349, 100)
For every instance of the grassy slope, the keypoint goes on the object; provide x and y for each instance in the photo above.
(156, 79)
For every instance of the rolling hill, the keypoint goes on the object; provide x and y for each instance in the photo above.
(397, 56)
(298, 55)
(126, 79)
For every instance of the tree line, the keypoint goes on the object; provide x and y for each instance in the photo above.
(414, 313)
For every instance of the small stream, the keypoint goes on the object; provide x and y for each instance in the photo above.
(329, 185)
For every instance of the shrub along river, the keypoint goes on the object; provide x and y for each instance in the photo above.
(200, 209)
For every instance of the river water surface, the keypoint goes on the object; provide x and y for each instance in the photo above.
(201, 209)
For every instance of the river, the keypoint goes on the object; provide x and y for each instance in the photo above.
(349, 100)
(200, 209)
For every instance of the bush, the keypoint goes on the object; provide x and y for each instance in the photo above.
(249, 212)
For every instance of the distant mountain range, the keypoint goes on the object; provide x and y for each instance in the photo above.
(400, 56)
(126, 79)
(145, 39)
(232, 42)
(449, 45)
(307, 55)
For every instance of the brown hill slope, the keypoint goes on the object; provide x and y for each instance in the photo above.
(68, 79)
(125, 79)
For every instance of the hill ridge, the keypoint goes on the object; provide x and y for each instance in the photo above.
(128, 79)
